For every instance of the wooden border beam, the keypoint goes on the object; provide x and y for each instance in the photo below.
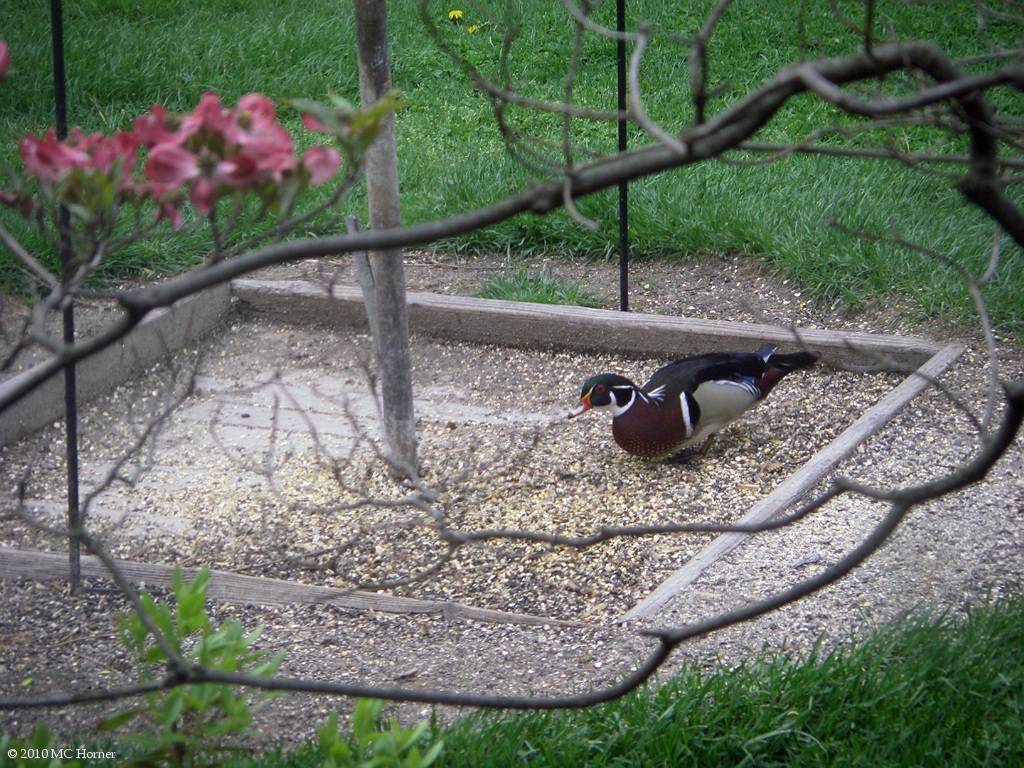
(546, 326)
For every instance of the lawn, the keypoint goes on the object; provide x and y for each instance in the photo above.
(928, 690)
(124, 55)
(931, 690)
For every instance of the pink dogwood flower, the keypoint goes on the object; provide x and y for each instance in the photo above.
(256, 112)
(216, 149)
(210, 119)
(158, 126)
(321, 163)
(49, 159)
(240, 171)
(265, 145)
(203, 193)
(271, 155)
(312, 123)
(171, 166)
(169, 209)
(212, 152)
(107, 151)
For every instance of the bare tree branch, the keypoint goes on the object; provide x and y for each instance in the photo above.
(943, 95)
(901, 500)
(710, 139)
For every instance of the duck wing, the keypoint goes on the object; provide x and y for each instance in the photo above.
(667, 384)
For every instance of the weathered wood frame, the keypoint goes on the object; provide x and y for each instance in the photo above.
(515, 324)
(594, 330)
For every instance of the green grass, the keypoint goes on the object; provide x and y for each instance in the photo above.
(124, 55)
(541, 287)
(930, 690)
(925, 692)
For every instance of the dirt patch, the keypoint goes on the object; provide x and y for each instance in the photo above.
(265, 510)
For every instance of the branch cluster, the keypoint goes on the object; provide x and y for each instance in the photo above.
(887, 85)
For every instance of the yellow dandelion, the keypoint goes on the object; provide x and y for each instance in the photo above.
(455, 15)
(472, 28)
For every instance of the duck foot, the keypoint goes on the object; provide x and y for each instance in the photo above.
(685, 456)
(688, 454)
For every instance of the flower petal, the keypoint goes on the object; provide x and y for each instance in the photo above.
(321, 163)
(256, 110)
(201, 193)
(48, 159)
(171, 165)
(158, 127)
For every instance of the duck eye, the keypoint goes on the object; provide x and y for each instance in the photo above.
(599, 389)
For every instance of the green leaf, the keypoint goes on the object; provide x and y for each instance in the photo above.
(388, 103)
(336, 119)
(341, 103)
(115, 721)
(333, 748)
(432, 754)
(173, 705)
(365, 719)
(268, 668)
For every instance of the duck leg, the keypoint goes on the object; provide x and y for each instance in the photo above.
(707, 444)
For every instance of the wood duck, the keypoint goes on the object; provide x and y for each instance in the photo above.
(689, 400)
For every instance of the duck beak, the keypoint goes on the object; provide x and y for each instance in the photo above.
(584, 407)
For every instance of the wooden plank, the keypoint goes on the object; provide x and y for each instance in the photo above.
(160, 334)
(240, 589)
(800, 482)
(543, 326)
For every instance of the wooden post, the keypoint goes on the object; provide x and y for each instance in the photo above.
(385, 213)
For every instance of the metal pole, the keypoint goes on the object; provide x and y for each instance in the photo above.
(70, 399)
(620, 19)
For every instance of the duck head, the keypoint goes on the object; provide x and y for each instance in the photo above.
(606, 390)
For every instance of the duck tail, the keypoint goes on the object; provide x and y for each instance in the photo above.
(795, 361)
(777, 366)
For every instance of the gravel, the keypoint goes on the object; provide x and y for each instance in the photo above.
(496, 446)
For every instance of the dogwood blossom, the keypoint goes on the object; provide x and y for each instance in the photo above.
(321, 163)
(50, 160)
(212, 152)
(216, 150)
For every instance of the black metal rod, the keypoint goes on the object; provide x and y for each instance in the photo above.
(620, 21)
(60, 102)
(60, 98)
